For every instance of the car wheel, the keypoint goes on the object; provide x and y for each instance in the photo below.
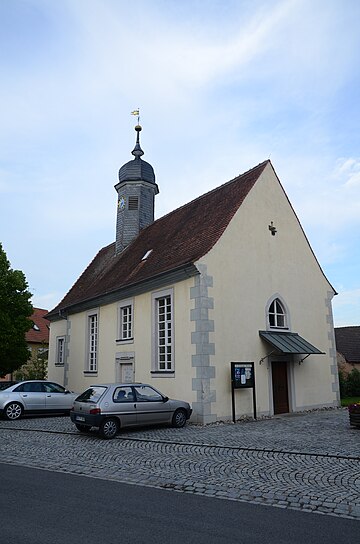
(109, 428)
(13, 411)
(179, 418)
(82, 428)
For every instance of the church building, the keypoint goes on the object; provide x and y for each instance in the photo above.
(221, 302)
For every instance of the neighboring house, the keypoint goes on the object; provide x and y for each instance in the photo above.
(228, 277)
(38, 336)
(348, 348)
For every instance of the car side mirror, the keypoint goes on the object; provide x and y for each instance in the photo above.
(165, 399)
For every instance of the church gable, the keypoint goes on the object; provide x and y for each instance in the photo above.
(264, 232)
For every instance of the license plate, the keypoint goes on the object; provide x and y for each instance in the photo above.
(80, 418)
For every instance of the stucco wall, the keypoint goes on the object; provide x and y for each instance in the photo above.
(56, 373)
(248, 266)
(177, 386)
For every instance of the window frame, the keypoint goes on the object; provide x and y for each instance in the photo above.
(92, 344)
(122, 306)
(168, 337)
(60, 352)
(277, 316)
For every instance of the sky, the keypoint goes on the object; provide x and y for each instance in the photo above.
(222, 85)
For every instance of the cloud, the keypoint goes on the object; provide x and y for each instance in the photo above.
(346, 304)
(46, 300)
(221, 87)
(348, 172)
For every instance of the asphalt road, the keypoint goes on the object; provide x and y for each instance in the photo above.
(308, 462)
(40, 506)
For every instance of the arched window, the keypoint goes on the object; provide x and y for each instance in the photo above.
(277, 315)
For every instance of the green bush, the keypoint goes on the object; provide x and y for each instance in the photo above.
(349, 383)
(35, 369)
(353, 383)
(343, 384)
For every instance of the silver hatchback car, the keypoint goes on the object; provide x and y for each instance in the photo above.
(108, 407)
(35, 396)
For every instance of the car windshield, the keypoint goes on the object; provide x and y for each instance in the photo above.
(92, 394)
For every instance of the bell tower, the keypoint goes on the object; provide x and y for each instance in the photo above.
(136, 191)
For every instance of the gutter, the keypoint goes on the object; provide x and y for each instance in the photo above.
(155, 282)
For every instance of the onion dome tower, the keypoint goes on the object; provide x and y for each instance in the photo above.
(136, 191)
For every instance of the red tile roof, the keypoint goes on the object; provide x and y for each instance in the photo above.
(176, 239)
(348, 343)
(41, 335)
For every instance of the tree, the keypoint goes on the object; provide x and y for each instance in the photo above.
(36, 368)
(349, 383)
(343, 384)
(15, 310)
(353, 383)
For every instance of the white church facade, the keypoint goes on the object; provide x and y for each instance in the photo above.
(229, 277)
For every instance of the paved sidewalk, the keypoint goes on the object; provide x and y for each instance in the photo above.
(305, 461)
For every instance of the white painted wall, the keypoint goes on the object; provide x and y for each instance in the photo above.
(249, 266)
(178, 386)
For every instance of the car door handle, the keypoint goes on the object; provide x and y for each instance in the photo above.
(48, 395)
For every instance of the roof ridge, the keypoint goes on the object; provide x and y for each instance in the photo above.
(214, 190)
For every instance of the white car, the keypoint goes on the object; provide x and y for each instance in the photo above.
(35, 396)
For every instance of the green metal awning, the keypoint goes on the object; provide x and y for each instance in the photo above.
(289, 342)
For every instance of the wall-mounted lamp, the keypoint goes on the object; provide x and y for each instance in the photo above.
(272, 228)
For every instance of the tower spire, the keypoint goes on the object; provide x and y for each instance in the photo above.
(136, 191)
(137, 151)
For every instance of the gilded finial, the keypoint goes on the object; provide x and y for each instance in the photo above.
(137, 151)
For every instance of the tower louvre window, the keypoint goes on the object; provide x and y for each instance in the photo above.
(133, 203)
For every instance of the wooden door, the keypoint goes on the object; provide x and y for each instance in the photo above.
(280, 387)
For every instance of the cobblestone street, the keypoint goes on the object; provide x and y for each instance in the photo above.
(308, 461)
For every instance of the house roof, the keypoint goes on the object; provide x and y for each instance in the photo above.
(177, 240)
(39, 333)
(348, 343)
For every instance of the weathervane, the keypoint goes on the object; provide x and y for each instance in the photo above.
(137, 113)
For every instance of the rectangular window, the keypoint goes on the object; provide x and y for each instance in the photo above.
(92, 342)
(164, 332)
(60, 349)
(125, 321)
